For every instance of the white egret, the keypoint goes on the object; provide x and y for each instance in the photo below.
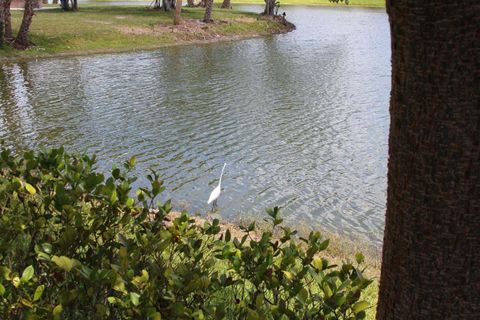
(216, 192)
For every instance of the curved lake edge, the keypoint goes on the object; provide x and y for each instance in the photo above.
(242, 30)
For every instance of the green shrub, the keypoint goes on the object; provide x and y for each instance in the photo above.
(76, 244)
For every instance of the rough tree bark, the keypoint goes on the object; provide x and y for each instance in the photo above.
(269, 7)
(168, 5)
(431, 250)
(21, 41)
(65, 4)
(1, 31)
(176, 17)
(5, 16)
(227, 4)
(190, 3)
(207, 18)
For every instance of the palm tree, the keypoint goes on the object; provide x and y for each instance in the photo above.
(176, 16)
(226, 4)
(5, 18)
(431, 250)
(207, 18)
(21, 41)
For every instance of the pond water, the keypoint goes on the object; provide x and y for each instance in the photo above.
(301, 119)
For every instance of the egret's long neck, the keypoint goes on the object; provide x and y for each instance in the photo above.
(221, 175)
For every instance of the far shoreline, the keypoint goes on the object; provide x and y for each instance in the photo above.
(119, 29)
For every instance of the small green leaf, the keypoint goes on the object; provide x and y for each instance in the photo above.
(317, 263)
(38, 292)
(57, 311)
(130, 202)
(119, 284)
(2, 290)
(359, 257)
(135, 298)
(132, 161)
(360, 306)
(228, 235)
(16, 282)
(65, 263)
(288, 274)
(26, 303)
(27, 274)
(303, 294)
(259, 301)
(31, 189)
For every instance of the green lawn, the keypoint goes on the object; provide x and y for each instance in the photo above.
(123, 28)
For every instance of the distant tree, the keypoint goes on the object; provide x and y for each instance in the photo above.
(5, 18)
(431, 249)
(191, 3)
(168, 5)
(21, 41)
(227, 4)
(270, 7)
(69, 5)
(207, 18)
(1, 33)
(176, 17)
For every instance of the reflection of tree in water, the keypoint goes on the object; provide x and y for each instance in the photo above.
(16, 114)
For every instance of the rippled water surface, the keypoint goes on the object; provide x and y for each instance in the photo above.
(301, 119)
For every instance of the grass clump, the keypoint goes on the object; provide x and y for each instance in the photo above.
(78, 244)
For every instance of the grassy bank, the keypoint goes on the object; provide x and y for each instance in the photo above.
(97, 29)
(354, 3)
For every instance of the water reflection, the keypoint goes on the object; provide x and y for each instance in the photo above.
(301, 119)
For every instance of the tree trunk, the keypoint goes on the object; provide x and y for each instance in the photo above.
(227, 4)
(65, 4)
(1, 32)
(5, 16)
(74, 5)
(168, 5)
(269, 7)
(190, 3)
(431, 250)
(207, 18)
(176, 17)
(21, 42)
(54, 1)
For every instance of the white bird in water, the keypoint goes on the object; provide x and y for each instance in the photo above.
(216, 192)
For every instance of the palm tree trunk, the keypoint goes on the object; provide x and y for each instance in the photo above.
(1, 32)
(269, 7)
(207, 18)
(227, 4)
(190, 3)
(431, 259)
(168, 5)
(21, 42)
(176, 17)
(5, 16)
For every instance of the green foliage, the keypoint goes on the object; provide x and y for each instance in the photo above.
(78, 244)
